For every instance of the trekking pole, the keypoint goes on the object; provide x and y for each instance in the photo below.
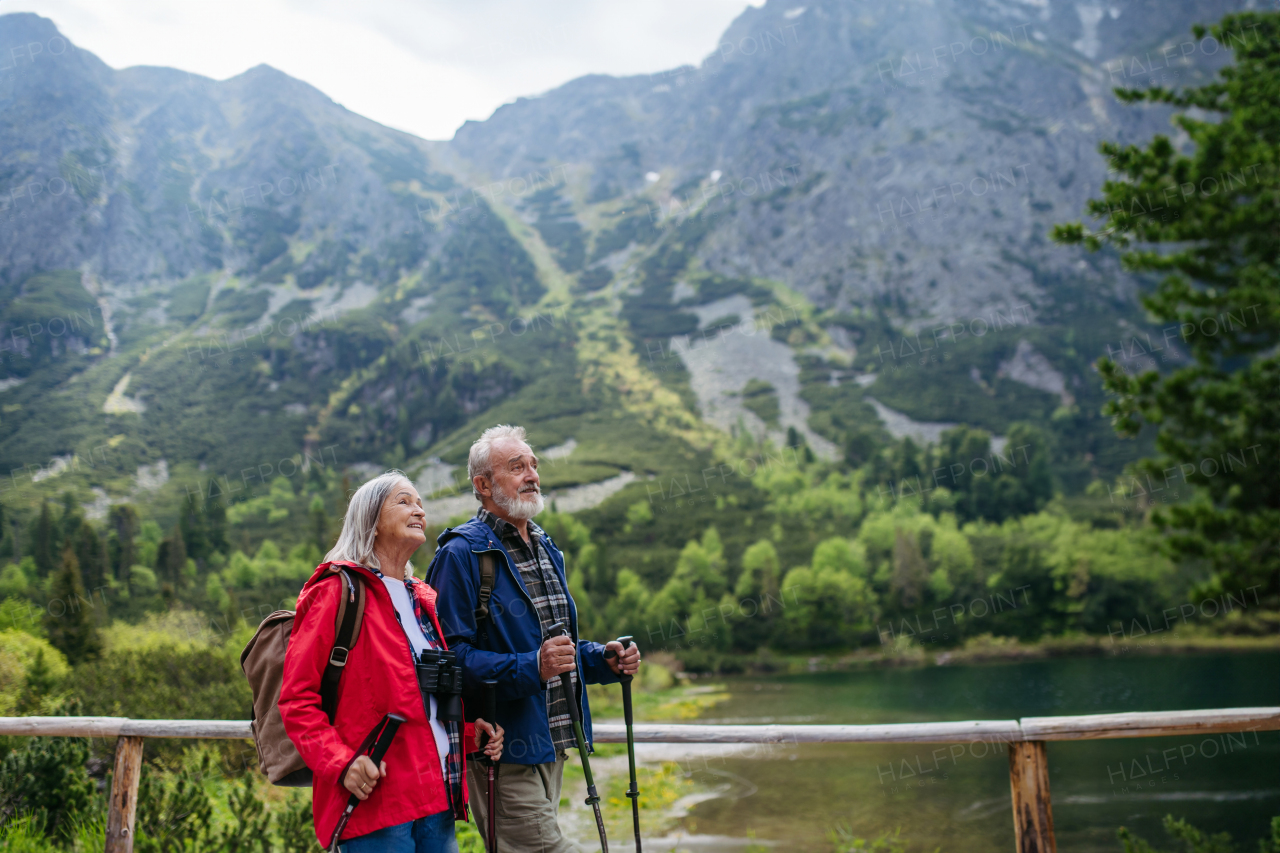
(491, 794)
(575, 715)
(634, 791)
(375, 746)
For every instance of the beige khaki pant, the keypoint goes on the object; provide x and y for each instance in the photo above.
(528, 802)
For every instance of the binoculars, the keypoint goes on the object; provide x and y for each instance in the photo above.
(439, 675)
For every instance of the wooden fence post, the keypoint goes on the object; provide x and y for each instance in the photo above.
(1032, 810)
(123, 806)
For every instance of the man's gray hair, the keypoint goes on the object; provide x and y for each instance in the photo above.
(480, 459)
(360, 524)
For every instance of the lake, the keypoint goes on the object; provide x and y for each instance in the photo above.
(957, 796)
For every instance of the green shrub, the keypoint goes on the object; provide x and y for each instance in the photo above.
(1192, 840)
(47, 780)
(164, 682)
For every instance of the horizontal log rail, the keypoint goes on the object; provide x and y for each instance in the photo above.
(1028, 762)
(1088, 727)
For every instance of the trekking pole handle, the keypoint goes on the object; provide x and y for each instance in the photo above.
(575, 716)
(609, 654)
(490, 709)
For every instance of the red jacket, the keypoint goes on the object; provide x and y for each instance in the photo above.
(379, 678)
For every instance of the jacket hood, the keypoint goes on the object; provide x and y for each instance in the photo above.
(479, 536)
(475, 532)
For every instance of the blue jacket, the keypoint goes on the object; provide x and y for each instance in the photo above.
(510, 654)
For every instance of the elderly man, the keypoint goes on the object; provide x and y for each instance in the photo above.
(537, 673)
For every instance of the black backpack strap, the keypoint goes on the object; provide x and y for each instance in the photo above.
(488, 575)
(350, 616)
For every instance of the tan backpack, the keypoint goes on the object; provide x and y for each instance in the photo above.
(263, 663)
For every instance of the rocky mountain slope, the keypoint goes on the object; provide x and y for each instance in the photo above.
(918, 151)
(202, 281)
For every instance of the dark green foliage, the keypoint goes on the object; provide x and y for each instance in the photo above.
(261, 232)
(559, 228)
(1216, 246)
(39, 683)
(171, 558)
(980, 483)
(42, 540)
(165, 683)
(1190, 839)
(69, 620)
(48, 778)
(241, 307)
(712, 287)
(174, 810)
(483, 264)
(328, 261)
(123, 521)
(593, 279)
(252, 828)
(297, 828)
(401, 253)
(636, 226)
(275, 271)
(188, 300)
(92, 556)
(1023, 567)
(762, 398)
(297, 310)
(191, 528)
(43, 315)
(319, 525)
(1272, 844)
(215, 524)
(650, 312)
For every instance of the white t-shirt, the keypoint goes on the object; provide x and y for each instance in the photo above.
(418, 640)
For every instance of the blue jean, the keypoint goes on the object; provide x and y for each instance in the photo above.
(431, 834)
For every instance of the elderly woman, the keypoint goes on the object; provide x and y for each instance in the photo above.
(409, 803)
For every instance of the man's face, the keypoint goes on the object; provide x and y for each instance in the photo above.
(514, 486)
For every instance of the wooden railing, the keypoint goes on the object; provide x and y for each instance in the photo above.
(1028, 766)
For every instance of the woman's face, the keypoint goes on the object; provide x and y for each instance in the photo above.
(402, 522)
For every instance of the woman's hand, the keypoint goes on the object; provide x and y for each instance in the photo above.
(362, 777)
(494, 749)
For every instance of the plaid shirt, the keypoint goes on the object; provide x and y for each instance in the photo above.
(550, 602)
(453, 764)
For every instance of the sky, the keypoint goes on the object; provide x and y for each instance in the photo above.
(424, 66)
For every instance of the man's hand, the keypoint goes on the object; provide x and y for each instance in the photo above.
(627, 662)
(362, 777)
(558, 655)
(493, 749)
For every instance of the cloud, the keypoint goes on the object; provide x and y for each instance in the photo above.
(424, 67)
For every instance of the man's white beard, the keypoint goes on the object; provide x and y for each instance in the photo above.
(515, 506)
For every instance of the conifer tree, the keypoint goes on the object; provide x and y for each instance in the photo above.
(68, 619)
(92, 556)
(124, 525)
(42, 540)
(191, 521)
(215, 523)
(1204, 214)
(319, 525)
(171, 558)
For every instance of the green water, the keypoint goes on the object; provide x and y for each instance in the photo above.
(957, 796)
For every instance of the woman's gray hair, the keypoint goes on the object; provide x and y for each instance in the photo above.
(360, 524)
(480, 461)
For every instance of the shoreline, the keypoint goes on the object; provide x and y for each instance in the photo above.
(988, 649)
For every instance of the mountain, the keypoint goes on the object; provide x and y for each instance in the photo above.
(831, 232)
